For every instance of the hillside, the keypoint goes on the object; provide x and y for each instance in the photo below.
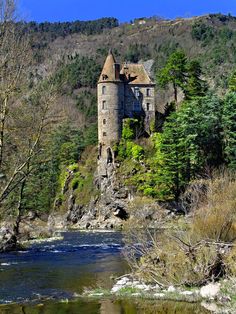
(210, 39)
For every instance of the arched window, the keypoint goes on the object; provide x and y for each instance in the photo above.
(148, 92)
(104, 121)
(104, 90)
(148, 107)
(136, 92)
(109, 156)
(104, 134)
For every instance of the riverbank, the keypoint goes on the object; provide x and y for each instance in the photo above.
(213, 297)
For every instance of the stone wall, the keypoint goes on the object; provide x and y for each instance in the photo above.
(140, 102)
(110, 114)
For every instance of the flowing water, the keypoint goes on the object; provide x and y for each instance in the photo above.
(45, 278)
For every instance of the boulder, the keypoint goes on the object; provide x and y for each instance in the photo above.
(210, 291)
(34, 229)
(8, 241)
(171, 289)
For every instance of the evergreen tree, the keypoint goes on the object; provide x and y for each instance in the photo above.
(229, 127)
(174, 72)
(195, 86)
(191, 142)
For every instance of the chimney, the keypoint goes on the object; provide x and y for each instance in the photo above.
(117, 71)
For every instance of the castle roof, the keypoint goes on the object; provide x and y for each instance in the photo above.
(108, 71)
(136, 74)
(133, 74)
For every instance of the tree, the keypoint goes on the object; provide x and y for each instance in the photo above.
(26, 132)
(25, 117)
(190, 143)
(229, 129)
(195, 86)
(232, 82)
(15, 57)
(174, 72)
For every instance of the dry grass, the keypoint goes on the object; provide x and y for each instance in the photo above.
(197, 251)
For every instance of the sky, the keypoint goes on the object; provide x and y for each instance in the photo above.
(124, 10)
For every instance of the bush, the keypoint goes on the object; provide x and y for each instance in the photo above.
(128, 149)
(129, 128)
(203, 32)
(196, 251)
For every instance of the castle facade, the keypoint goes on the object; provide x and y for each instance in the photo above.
(124, 91)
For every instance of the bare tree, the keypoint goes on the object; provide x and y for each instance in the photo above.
(15, 58)
(26, 116)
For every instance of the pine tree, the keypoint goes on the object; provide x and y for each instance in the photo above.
(195, 85)
(174, 72)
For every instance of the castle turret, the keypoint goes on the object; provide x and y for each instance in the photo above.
(110, 112)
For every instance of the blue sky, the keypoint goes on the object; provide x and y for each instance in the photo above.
(124, 10)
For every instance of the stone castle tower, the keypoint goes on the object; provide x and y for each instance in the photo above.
(124, 91)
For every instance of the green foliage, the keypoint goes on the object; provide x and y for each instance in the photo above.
(91, 135)
(136, 52)
(80, 72)
(63, 150)
(232, 82)
(68, 153)
(83, 180)
(188, 143)
(229, 127)
(67, 28)
(181, 152)
(202, 32)
(130, 128)
(184, 74)
(87, 104)
(195, 86)
(137, 152)
(77, 181)
(174, 72)
(128, 149)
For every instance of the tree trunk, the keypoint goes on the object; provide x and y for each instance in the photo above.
(19, 209)
(176, 94)
(2, 128)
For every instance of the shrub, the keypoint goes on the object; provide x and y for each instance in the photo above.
(196, 251)
(129, 128)
(128, 149)
(202, 32)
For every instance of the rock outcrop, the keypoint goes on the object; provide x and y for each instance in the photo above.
(8, 240)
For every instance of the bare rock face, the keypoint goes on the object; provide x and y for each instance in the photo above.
(34, 228)
(8, 241)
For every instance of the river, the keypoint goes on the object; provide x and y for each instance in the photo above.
(46, 277)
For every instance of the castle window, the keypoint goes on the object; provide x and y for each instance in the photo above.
(109, 156)
(104, 121)
(148, 92)
(104, 104)
(104, 90)
(104, 134)
(148, 107)
(136, 92)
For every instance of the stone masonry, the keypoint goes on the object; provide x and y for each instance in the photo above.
(124, 91)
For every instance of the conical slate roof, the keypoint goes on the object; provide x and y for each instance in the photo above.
(108, 71)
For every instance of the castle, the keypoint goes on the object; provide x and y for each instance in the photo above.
(124, 91)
